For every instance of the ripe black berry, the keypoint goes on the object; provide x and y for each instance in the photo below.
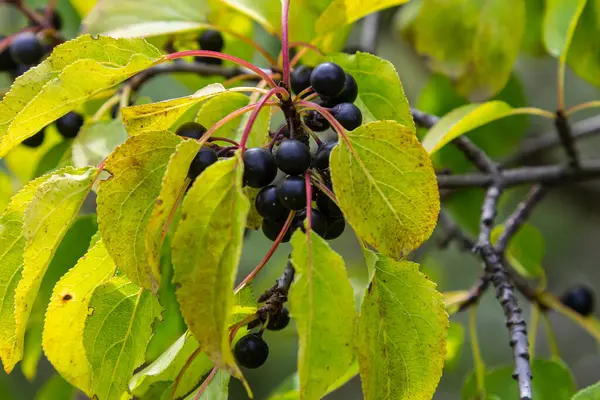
(348, 115)
(293, 157)
(328, 206)
(69, 124)
(204, 159)
(292, 193)
(192, 130)
(580, 299)
(300, 78)
(318, 221)
(335, 228)
(349, 94)
(251, 351)
(6, 61)
(272, 227)
(279, 321)
(268, 205)
(316, 121)
(322, 157)
(35, 140)
(328, 79)
(259, 167)
(26, 48)
(211, 40)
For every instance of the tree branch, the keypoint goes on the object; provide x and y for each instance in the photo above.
(566, 137)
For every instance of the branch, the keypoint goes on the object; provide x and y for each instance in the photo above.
(566, 137)
(369, 33)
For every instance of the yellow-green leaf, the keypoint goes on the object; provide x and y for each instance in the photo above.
(464, 119)
(217, 389)
(560, 20)
(55, 388)
(584, 54)
(589, 393)
(386, 186)
(525, 251)
(171, 193)
(326, 333)
(96, 140)
(402, 331)
(126, 200)
(454, 344)
(67, 312)
(6, 191)
(117, 331)
(206, 251)
(162, 115)
(380, 92)
(76, 71)
(344, 12)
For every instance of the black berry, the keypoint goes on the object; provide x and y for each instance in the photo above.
(211, 40)
(26, 48)
(315, 121)
(349, 94)
(348, 115)
(328, 79)
(6, 61)
(335, 228)
(35, 140)
(318, 221)
(300, 78)
(291, 192)
(328, 206)
(192, 130)
(272, 227)
(69, 124)
(322, 157)
(259, 167)
(279, 321)
(204, 159)
(251, 351)
(268, 205)
(293, 157)
(580, 299)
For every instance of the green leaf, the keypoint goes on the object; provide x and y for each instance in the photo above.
(130, 18)
(31, 229)
(454, 344)
(525, 251)
(67, 313)
(481, 52)
(464, 119)
(6, 191)
(56, 157)
(589, 393)
(171, 193)
(533, 42)
(344, 12)
(401, 333)
(76, 71)
(157, 378)
(126, 200)
(560, 20)
(55, 388)
(217, 389)
(380, 92)
(386, 186)
(584, 54)
(96, 140)
(162, 115)
(206, 251)
(116, 333)
(28, 171)
(326, 334)
(32, 350)
(552, 381)
(254, 220)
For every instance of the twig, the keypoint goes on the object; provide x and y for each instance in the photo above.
(476, 291)
(566, 137)
(369, 33)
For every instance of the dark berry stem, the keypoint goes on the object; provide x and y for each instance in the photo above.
(285, 43)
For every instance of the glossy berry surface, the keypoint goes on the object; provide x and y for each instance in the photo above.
(328, 206)
(26, 48)
(316, 122)
(300, 78)
(211, 40)
(272, 227)
(69, 124)
(293, 157)
(279, 321)
(6, 61)
(204, 159)
(322, 157)
(580, 299)
(348, 115)
(268, 205)
(349, 94)
(292, 193)
(318, 222)
(259, 167)
(36, 140)
(335, 228)
(251, 351)
(192, 130)
(328, 79)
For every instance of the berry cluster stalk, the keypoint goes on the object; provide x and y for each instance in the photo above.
(285, 43)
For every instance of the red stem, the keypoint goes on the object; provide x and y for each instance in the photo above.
(285, 43)
(330, 118)
(304, 93)
(307, 45)
(269, 254)
(254, 115)
(308, 187)
(246, 40)
(206, 382)
(215, 54)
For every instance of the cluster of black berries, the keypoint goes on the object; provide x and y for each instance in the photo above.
(68, 126)
(213, 41)
(207, 155)
(580, 299)
(337, 91)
